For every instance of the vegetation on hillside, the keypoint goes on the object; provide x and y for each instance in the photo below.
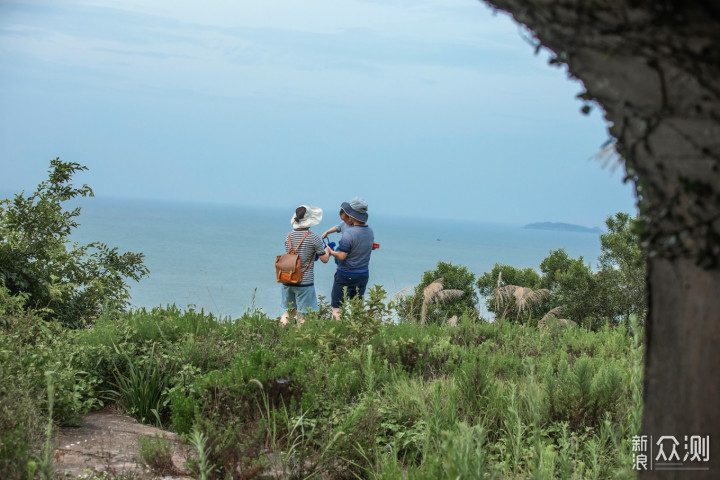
(612, 293)
(527, 395)
(361, 398)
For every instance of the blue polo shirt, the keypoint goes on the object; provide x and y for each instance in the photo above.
(357, 242)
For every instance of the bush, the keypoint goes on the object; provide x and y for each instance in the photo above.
(487, 282)
(72, 283)
(614, 292)
(451, 277)
(357, 398)
(21, 425)
(461, 454)
(349, 448)
(582, 394)
(156, 454)
(31, 346)
(476, 383)
(572, 284)
(141, 390)
(226, 445)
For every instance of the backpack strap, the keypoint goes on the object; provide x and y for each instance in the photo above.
(290, 247)
(298, 246)
(303, 239)
(307, 266)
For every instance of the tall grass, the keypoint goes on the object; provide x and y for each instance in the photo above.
(365, 398)
(140, 389)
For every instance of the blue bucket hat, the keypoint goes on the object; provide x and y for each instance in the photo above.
(356, 208)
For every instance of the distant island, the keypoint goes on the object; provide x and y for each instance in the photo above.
(565, 227)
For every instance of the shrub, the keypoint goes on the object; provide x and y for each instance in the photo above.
(168, 325)
(141, 390)
(487, 283)
(74, 283)
(451, 277)
(572, 284)
(358, 398)
(349, 448)
(472, 334)
(225, 446)
(461, 454)
(31, 346)
(21, 424)
(361, 320)
(422, 352)
(156, 454)
(581, 394)
(476, 384)
(183, 398)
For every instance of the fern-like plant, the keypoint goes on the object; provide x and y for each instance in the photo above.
(521, 300)
(553, 313)
(436, 293)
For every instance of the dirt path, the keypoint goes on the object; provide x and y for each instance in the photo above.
(107, 441)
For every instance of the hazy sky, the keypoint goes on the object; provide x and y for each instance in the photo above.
(435, 108)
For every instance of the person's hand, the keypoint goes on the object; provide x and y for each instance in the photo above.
(324, 235)
(328, 249)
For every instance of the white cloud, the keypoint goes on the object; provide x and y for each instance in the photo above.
(339, 51)
(428, 21)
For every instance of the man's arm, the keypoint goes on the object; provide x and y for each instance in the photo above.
(332, 230)
(339, 255)
(346, 245)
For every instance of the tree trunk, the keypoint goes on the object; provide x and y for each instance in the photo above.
(682, 391)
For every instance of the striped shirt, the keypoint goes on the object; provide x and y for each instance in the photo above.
(310, 247)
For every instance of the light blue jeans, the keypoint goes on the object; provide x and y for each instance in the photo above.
(299, 298)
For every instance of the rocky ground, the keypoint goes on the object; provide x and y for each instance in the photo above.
(106, 442)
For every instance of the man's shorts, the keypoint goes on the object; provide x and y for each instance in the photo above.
(355, 287)
(299, 298)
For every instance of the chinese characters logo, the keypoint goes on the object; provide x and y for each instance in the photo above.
(668, 453)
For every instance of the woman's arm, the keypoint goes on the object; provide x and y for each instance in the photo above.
(339, 255)
(325, 256)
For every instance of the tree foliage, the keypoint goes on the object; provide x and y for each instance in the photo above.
(70, 282)
(488, 286)
(623, 264)
(611, 293)
(451, 278)
(436, 293)
(572, 284)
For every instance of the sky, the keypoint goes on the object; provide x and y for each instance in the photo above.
(425, 108)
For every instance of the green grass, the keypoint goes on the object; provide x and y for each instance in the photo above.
(140, 387)
(359, 399)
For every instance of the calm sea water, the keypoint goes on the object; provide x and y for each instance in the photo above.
(221, 258)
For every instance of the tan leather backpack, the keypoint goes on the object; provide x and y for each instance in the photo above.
(288, 266)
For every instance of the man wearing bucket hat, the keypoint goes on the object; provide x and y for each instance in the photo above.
(301, 297)
(353, 255)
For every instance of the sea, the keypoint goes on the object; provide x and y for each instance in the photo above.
(220, 258)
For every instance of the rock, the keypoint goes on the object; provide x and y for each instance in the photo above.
(107, 441)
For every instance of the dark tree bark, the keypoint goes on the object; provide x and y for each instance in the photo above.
(654, 67)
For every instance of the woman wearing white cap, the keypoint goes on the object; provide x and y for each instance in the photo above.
(301, 297)
(353, 255)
